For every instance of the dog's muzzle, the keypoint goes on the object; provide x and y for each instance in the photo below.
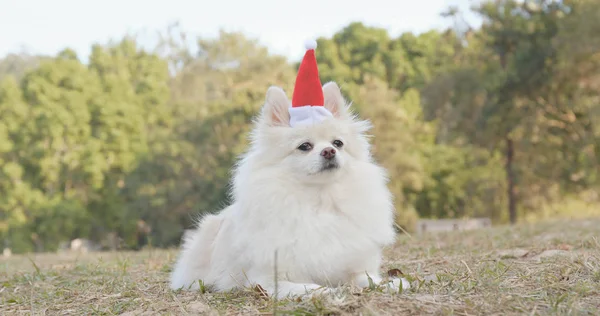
(330, 165)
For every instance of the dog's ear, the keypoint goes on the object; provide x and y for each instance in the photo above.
(334, 101)
(275, 111)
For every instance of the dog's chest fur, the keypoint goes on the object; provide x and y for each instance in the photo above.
(317, 232)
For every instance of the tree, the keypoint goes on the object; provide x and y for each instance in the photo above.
(505, 93)
(405, 62)
(17, 197)
(59, 157)
(132, 120)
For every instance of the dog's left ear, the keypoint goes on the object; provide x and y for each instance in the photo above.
(275, 111)
(334, 101)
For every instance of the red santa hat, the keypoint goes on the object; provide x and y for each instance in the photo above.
(307, 101)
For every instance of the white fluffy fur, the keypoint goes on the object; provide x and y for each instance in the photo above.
(328, 227)
(310, 44)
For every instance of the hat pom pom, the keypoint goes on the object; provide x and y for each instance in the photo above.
(310, 44)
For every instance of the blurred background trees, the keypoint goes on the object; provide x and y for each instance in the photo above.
(499, 121)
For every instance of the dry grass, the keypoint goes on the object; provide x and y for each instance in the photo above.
(542, 269)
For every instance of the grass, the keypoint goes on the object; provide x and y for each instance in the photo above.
(530, 269)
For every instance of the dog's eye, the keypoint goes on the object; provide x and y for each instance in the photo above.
(338, 143)
(305, 147)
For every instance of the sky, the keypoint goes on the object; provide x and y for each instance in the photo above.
(48, 26)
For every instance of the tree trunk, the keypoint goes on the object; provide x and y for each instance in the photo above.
(510, 179)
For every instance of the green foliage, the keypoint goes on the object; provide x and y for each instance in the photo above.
(461, 182)
(515, 88)
(136, 136)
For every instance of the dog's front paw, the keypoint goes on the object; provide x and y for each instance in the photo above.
(396, 285)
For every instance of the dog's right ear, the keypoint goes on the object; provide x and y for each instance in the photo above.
(334, 101)
(275, 112)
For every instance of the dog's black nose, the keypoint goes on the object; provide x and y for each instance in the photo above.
(328, 153)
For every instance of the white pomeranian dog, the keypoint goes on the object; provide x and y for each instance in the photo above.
(308, 190)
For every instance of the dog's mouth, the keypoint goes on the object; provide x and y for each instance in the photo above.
(329, 166)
